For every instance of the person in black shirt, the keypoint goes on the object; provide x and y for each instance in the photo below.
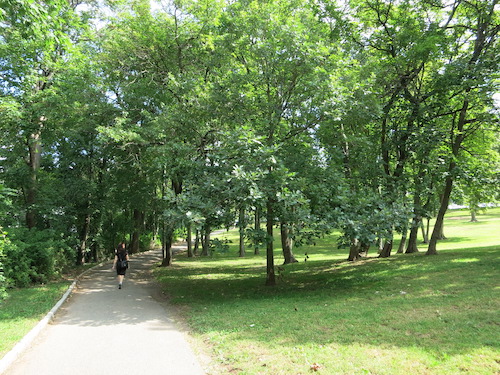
(120, 263)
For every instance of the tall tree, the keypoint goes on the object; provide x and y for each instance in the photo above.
(465, 87)
(274, 81)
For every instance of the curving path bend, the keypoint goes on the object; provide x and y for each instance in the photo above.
(103, 330)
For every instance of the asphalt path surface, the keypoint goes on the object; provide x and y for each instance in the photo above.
(103, 330)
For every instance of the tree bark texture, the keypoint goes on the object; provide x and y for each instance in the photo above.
(84, 235)
(189, 240)
(354, 250)
(138, 226)
(35, 157)
(167, 246)
(287, 244)
(386, 251)
(270, 272)
(256, 250)
(242, 225)
(401, 247)
(412, 241)
(205, 241)
(425, 231)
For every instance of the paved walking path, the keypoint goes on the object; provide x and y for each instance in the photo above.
(104, 330)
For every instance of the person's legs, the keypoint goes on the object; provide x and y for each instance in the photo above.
(120, 280)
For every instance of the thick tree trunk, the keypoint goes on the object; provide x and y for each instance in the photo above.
(287, 244)
(354, 250)
(386, 251)
(256, 250)
(168, 238)
(189, 240)
(242, 226)
(412, 241)
(270, 274)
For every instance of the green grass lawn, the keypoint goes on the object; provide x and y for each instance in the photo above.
(23, 309)
(408, 314)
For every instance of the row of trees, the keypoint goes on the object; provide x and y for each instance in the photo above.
(135, 119)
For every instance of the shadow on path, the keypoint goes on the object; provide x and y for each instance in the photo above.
(104, 330)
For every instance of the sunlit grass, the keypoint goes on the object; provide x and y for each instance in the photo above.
(407, 314)
(23, 309)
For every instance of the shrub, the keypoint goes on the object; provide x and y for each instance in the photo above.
(35, 256)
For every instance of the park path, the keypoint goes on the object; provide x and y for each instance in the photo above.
(104, 330)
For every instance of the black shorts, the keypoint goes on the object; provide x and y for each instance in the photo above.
(121, 271)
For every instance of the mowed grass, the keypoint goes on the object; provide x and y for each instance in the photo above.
(23, 309)
(407, 314)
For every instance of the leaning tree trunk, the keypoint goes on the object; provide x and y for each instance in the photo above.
(386, 251)
(438, 226)
(287, 244)
(401, 247)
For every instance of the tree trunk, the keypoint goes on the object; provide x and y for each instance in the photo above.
(425, 233)
(287, 244)
(363, 250)
(354, 250)
(138, 225)
(35, 157)
(380, 243)
(473, 217)
(412, 241)
(84, 235)
(189, 240)
(242, 225)
(386, 251)
(401, 247)
(270, 274)
(205, 241)
(196, 242)
(257, 228)
(168, 239)
(438, 226)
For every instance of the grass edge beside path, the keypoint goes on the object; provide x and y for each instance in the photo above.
(24, 308)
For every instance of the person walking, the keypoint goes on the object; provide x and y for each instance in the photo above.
(121, 263)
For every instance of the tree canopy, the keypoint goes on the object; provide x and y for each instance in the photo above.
(146, 121)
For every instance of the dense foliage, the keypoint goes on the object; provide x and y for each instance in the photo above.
(141, 121)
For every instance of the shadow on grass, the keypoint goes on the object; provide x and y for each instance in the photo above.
(443, 304)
